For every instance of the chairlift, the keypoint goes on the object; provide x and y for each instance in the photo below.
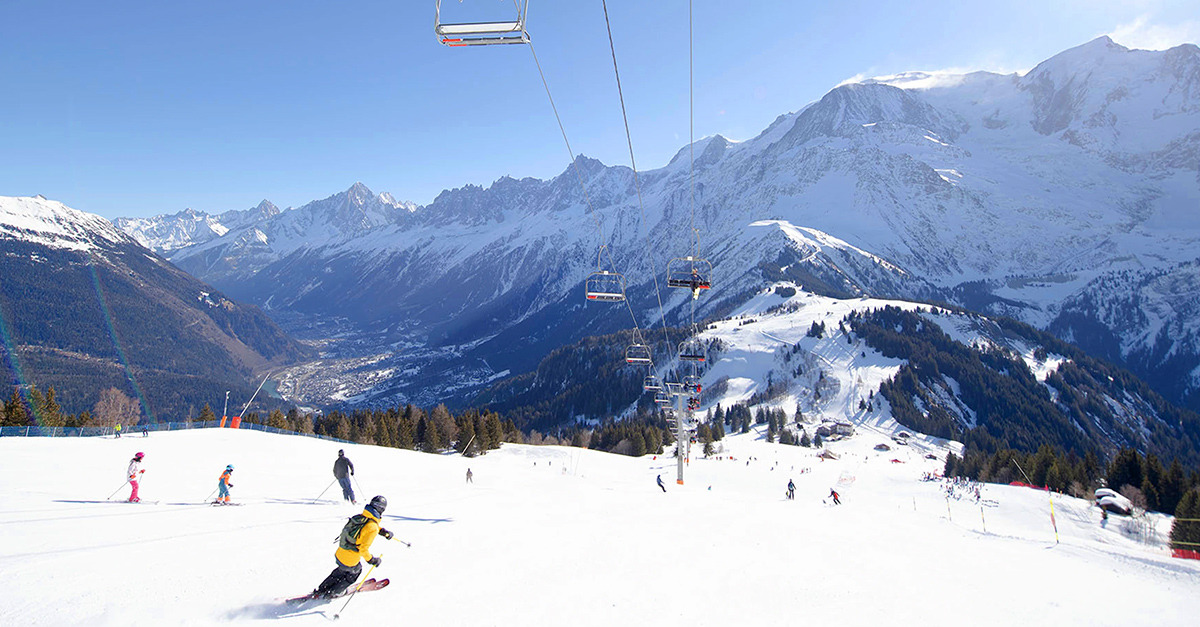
(662, 398)
(482, 33)
(691, 350)
(651, 383)
(605, 286)
(690, 273)
(638, 354)
(691, 383)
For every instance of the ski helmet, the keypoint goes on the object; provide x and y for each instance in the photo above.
(341, 453)
(229, 467)
(378, 504)
(139, 455)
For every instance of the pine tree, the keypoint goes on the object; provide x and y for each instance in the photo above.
(1185, 532)
(206, 414)
(342, 430)
(466, 435)
(276, 420)
(639, 444)
(805, 441)
(14, 410)
(50, 411)
(1125, 469)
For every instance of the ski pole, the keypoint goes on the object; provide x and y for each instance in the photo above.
(324, 491)
(362, 494)
(402, 542)
(117, 490)
(360, 585)
(210, 495)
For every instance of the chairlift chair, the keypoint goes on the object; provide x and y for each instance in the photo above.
(690, 273)
(662, 398)
(651, 383)
(482, 33)
(606, 286)
(638, 354)
(691, 350)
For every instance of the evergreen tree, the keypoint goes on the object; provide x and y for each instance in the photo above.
(14, 410)
(276, 420)
(1185, 531)
(342, 430)
(1125, 469)
(805, 441)
(50, 411)
(466, 435)
(639, 444)
(206, 414)
(435, 440)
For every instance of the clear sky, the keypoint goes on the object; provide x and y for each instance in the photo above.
(138, 108)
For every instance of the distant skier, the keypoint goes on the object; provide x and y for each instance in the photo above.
(354, 545)
(660, 483)
(791, 491)
(134, 474)
(223, 485)
(469, 476)
(343, 469)
(117, 430)
(834, 495)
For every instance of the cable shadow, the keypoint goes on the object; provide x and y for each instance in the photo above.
(411, 519)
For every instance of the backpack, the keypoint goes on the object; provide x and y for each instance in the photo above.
(354, 526)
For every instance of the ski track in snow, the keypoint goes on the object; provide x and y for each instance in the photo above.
(556, 536)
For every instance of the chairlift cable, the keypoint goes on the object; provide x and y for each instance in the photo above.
(637, 184)
(579, 177)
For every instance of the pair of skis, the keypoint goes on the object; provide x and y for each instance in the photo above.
(366, 586)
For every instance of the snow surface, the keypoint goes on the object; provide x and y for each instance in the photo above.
(559, 536)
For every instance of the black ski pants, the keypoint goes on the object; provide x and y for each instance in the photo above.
(341, 578)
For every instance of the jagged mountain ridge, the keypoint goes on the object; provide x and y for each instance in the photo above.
(1005, 193)
(86, 307)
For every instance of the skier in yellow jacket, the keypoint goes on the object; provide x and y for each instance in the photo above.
(354, 545)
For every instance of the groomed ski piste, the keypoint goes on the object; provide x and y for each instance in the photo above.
(560, 536)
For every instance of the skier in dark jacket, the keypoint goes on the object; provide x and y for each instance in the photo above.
(354, 545)
(660, 484)
(343, 469)
(791, 490)
(833, 493)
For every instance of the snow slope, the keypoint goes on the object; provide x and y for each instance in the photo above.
(555, 536)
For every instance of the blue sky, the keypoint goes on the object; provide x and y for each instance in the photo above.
(139, 108)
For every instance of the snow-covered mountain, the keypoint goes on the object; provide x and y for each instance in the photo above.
(1005, 193)
(85, 307)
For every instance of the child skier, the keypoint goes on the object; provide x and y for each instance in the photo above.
(223, 485)
(134, 474)
(353, 545)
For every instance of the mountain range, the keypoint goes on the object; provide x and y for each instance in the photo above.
(84, 307)
(1064, 197)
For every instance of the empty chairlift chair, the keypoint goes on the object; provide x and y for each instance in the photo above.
(651, 383)
(638, 354)
(691, 350)
(691, 273)
(605, 286)
(662, 398)
(483, 33)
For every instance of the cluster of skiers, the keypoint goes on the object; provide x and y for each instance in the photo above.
(354, 542)
(134, 472)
